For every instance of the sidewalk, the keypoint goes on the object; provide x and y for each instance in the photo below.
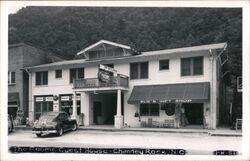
(220, 131)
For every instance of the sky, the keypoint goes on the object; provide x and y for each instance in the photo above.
(14, 9)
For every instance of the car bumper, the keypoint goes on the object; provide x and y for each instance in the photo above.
(44, 131)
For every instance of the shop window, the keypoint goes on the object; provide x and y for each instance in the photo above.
(42, 78)
(149, 109)
(11, 78)
(164, 64)
(66, 104)
(58, 73)
(169, 108)
(139, 70)
(76, 73)
(42, 107)
(192, 66)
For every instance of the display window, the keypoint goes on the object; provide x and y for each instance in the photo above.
(66, 104)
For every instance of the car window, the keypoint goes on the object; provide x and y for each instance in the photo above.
(62, 116)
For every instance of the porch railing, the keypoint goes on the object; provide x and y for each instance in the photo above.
(115, 81)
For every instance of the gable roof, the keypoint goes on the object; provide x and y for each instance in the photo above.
(103, 42)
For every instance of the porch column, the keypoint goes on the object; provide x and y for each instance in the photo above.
(74, 114)
(85, 108)
(118, 117)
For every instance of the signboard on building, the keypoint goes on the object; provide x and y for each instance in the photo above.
(39, 99)
(49, 99)
(105, 73)
(106, 68)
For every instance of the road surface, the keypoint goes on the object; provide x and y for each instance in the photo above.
(193, 143)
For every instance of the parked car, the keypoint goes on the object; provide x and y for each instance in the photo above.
(54, 123)
(10, 123)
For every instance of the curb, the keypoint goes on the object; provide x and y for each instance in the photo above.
(150, 130)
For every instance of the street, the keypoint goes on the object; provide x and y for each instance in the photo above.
(194, 144)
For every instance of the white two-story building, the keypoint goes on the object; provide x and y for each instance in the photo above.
(113, 84)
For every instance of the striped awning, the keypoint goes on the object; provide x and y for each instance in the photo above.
(171, 93)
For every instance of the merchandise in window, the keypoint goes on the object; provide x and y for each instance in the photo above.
(149, 109)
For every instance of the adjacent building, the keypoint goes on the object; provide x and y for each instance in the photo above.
(113, 84)
(20, 56)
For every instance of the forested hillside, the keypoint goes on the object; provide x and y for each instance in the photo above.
(66, 30)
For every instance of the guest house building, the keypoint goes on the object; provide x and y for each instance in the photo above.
(113, 84)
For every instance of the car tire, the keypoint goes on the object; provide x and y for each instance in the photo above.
(39, 135)
(60, 131)
(74, 127)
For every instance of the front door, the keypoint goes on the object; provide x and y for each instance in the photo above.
(97, 111)
(194, 113)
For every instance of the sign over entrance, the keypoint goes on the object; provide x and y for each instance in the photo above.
(105, 73)
(106, 68)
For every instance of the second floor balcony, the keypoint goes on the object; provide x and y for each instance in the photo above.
(115, 81)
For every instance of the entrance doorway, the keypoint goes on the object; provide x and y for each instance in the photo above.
(104, 108)
(194, 113)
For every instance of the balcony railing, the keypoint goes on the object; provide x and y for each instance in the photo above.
(115, 81)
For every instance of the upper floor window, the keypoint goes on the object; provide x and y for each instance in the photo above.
(76, 73)
(11, 78)
(42, 78)
(164, 64)
(106, 53)
(58, 73)
(192, 66)
(139, 70)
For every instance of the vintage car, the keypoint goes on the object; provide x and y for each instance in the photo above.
(54, 123)
(10, 124)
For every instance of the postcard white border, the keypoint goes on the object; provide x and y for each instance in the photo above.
(4, 68)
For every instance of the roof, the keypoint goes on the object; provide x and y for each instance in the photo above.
(101, 42)
(145, 56)
(49, 53)
(187, 49)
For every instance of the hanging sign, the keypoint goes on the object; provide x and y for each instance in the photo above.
(108, 69)
(104, 76)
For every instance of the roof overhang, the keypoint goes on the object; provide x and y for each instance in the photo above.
(145, 56)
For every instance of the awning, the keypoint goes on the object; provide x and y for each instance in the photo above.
(171, 93)
(13, 97)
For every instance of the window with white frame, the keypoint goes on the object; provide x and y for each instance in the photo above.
(42, 78)
(192, 66)
(58, 73)
(164, 64)
(139, 70)
(150, 109)
(76, 73)
(11, 78)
